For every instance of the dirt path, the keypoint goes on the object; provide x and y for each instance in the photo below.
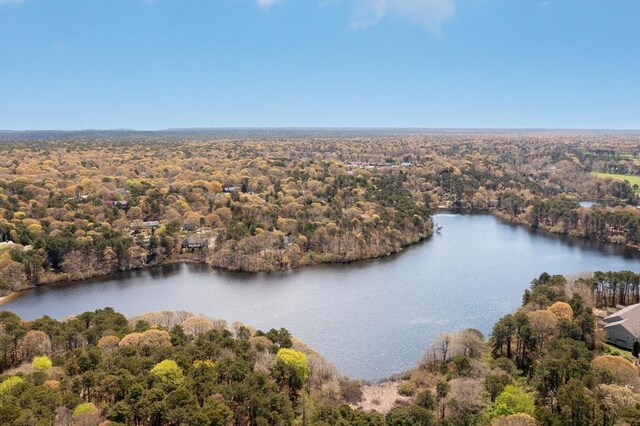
(380, 397)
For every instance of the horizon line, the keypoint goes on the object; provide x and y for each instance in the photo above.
(173, 129)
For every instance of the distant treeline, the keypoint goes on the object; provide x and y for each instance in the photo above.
(560, 215)
(611, 289)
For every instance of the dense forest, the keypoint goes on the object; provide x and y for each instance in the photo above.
(80, 204)
(545, 364)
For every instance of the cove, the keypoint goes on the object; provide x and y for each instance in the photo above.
(370, 318)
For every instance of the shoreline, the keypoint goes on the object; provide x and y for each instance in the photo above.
(10, 296)
(182, 259)
(511, 220)
(506, 219)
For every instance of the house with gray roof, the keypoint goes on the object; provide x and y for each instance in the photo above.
(195, 241)
(623, 327)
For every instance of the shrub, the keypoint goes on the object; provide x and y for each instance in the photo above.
(351, 391)
(407, 388)
(425, 399)
(412, 415)
(505, 364)
(41, 363)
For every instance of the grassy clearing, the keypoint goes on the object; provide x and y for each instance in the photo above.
(615, 350)
(632, 179)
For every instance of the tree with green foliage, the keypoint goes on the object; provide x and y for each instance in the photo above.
(512, 400)
(84, 408)
(442, 390)
(495, 384)
(86, 414)
(291, 370)
(576, 404)
(409, 416)
(7, 384)
(168, 373)
(502, 336)
(564, 359)
(215, 412)
(343, 415)
(425, 399)
(280, 338)
(9, 412)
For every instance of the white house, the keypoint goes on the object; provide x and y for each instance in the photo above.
(623, 326)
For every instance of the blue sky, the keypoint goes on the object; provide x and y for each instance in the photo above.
(153, 64)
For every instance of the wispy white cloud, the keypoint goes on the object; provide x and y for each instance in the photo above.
(366, 13)
(266, 4)
(428, 14)
(11, 1)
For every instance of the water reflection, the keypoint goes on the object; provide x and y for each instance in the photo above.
(167, 271)
(371, 318)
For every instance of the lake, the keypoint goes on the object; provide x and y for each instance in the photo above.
(370, 318)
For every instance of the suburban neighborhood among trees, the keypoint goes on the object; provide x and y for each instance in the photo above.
(78, 205)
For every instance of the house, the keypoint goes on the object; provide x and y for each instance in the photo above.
(623, 327)
(195, 241)
(358, 164)
(138, 226)
(117, 203)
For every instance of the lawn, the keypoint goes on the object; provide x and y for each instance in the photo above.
(632, 179)
(615, 350)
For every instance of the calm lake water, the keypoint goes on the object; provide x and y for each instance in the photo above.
(370, 318)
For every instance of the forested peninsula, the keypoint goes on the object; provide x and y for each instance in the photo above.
(79, 204)
(545, 364)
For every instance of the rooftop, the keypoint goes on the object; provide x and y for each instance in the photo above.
(631, 311)
(627, 317)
